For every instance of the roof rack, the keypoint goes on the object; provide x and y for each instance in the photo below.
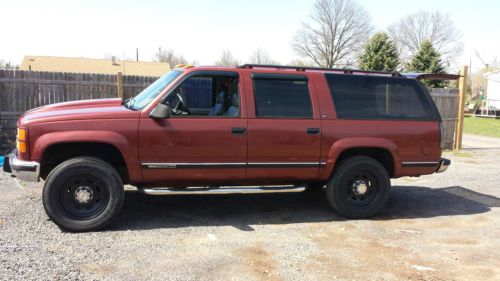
(304, 68)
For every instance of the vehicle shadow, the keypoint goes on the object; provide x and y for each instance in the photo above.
(241, 211)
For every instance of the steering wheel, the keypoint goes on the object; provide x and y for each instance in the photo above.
(181, 106)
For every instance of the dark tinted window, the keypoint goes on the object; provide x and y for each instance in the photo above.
(282, 98)
(373, 97)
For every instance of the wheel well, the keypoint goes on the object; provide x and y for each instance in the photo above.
(380, 154)
(58, 153)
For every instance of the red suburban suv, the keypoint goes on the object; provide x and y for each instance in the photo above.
(253, 128)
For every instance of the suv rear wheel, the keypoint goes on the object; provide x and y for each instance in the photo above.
(359, 188)
(83, 194)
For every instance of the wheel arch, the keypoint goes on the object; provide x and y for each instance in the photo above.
(383, 150)
(53, 148)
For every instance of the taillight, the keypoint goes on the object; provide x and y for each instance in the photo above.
(441, 135)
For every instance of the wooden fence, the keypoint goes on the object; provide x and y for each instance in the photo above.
(23, 90)
(446, 101)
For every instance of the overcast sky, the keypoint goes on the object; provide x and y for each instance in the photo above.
(201, 29)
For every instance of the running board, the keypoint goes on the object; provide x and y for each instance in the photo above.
(240, 190)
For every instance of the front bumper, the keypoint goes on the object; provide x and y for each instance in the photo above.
(23, 170)
(443, 165)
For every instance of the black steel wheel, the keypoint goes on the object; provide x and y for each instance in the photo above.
(359, 188)
(83, 194)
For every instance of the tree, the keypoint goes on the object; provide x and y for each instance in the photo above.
(427, 60)
(226, 59)
(410, 32)
(379, 54)
(169, 57)
(260, 56)
(7, 65)
(299, 62)
(334, 34)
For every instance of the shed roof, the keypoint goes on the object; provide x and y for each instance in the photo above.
(101, 66)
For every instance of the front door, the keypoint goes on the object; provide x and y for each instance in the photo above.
(205, 138)
(284, 133)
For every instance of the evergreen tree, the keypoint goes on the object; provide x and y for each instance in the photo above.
(427, 60)
(379, 54)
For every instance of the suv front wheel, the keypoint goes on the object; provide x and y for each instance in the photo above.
(83, 194)
(359, 188)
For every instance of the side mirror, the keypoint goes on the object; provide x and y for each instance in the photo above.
(161, 111)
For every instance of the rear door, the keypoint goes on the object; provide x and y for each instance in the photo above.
(284, 134)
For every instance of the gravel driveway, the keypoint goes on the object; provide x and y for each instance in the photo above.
(438, 227)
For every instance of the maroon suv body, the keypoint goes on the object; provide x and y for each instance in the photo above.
(232, 126)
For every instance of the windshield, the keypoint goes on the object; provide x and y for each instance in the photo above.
(152, 91)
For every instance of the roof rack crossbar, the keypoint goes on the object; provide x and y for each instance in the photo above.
(304, 68)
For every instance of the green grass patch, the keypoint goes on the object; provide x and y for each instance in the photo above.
(482, 126)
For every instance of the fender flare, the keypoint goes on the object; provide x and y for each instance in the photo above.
(360, 142)
(128, 151)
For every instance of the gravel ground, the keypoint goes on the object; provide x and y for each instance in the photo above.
(438, 227)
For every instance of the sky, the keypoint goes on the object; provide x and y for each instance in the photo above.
(200, 29)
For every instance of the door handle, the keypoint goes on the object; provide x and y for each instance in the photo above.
(313, 131)
(237, 130)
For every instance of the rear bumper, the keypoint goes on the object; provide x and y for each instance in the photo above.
(23, 170)
(443, 165)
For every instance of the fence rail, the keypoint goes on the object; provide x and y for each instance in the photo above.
(23, 90)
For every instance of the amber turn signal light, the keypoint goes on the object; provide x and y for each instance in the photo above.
(21, 134)
(21, 147)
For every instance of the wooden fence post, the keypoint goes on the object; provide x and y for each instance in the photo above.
(462, 89)
(119, 84)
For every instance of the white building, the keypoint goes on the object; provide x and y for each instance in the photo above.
(493, 89)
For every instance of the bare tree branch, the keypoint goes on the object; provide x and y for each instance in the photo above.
(226, 59)
(410, 32)
(335, 33)
(169, 57)
(7, 65)
(261, 56)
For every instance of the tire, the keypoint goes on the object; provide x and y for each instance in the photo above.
(83, 194)
(359, 188)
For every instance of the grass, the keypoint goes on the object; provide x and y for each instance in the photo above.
(482, 126)
(461, 153)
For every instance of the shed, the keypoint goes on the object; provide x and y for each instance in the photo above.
(99, 66)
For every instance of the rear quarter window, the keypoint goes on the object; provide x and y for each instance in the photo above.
(375, 97)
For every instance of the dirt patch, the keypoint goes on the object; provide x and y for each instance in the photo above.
(259, 262)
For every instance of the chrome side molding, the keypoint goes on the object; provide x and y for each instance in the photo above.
(164, 165)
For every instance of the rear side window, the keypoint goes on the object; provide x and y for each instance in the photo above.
(282, 97)
(372, 97)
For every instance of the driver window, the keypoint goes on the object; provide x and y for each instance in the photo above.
(207, 96)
